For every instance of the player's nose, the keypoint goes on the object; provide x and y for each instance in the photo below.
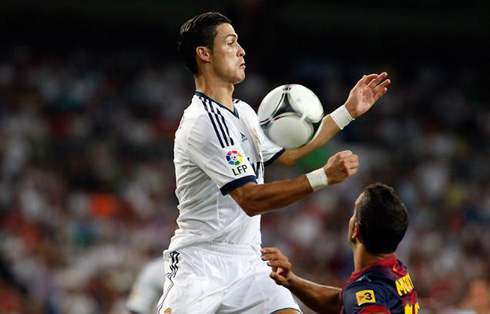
(241, 51)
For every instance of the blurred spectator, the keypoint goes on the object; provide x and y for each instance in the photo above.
(147, 289)
(477, 298)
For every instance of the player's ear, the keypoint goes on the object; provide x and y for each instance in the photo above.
(203, 54)
(357, 232)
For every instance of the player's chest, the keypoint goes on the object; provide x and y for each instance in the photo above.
(247, 140)
(246, 136)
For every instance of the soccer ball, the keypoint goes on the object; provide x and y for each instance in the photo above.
(290, 115)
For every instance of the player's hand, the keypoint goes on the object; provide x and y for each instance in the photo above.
(366, 92)
(341, 166)
(281, 267)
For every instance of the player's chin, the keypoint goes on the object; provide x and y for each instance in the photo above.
(240, 78)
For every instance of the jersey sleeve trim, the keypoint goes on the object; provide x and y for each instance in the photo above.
(273, 158)
(230, 186)
(374, 309)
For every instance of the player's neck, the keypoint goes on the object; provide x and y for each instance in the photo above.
(363, 258)
(216, 89)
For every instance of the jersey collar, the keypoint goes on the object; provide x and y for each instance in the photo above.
(234, 112)
(390, 261)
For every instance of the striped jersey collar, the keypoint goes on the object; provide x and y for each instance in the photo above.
(234, 112)
(390, 262)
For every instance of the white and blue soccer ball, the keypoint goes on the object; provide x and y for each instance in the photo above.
(290, 115)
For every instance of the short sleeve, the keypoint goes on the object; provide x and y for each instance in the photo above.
(147, 288)
(365, 298)
(221, 157)
(270, 150)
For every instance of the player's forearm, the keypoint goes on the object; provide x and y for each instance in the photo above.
(321, 299)
(328, 130)
(256, 199)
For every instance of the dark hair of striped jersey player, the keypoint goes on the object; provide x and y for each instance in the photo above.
(380, 283)
(382, 219)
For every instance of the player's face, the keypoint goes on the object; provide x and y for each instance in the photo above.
(228, 56)
(352, 222)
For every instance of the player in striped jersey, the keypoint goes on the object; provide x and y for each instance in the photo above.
(380, 283)
(213, 263)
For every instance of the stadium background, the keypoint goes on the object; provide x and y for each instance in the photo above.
(91, 93)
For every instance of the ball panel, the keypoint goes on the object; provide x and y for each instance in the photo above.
(289, 131)
(304, 101)
(270, 103)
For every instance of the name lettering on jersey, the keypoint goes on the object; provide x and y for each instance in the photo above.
(240, 169)
(365, 296)
(404, 285)
(412, 309)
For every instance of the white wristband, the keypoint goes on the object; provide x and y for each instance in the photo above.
(318, 179)
(341, 117)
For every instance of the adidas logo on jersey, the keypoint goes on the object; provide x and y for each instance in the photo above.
(244, 138)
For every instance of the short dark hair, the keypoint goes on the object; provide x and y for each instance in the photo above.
(198, 31)
(382, 217)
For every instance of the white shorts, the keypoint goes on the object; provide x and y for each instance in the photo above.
(220, 279)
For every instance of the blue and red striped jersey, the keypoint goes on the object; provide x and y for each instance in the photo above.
(382, 287)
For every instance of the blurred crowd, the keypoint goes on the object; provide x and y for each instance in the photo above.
(87, 179)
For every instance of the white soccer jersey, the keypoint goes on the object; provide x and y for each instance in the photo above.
(147, 288)
(215, 151)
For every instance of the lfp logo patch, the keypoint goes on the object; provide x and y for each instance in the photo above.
(234, 158)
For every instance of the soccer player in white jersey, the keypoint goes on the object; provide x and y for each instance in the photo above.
(146, 289)
(213, 263)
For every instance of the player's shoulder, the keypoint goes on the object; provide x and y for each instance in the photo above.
(203, 123)
(365, 292)
(366, 282)
(242, 105)
(377, 280)
(198, 107)
(196, 114)
(246, 111)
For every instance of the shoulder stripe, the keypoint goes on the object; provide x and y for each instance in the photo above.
(216, 116)
(219, 123)
(212, 122)
(226, 127)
